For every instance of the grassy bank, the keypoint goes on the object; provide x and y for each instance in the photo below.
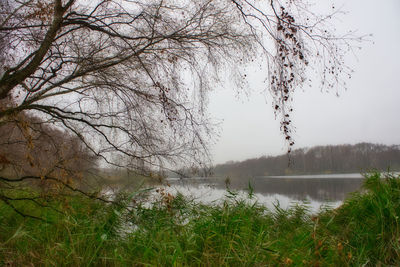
(175, 231)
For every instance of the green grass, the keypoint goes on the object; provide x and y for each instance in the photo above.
(176, 231)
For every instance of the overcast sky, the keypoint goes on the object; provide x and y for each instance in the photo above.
(367, 112)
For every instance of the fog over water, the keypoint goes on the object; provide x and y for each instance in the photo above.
(366, 112)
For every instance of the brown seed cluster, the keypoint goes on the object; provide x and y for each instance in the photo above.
(168, 107)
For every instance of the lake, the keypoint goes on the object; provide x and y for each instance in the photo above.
(314, 190)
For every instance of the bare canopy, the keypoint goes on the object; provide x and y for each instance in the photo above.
(130, 78)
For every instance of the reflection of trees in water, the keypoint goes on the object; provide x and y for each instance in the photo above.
(317, 189)
(322, 189)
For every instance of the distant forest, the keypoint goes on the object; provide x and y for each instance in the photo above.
(317, 160)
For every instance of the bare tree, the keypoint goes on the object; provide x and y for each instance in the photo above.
(130, 78)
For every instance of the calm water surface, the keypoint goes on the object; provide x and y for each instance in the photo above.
(315, 190)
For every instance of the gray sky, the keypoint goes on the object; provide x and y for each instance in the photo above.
(367, 112)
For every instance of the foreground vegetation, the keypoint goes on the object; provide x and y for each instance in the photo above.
(176, 231)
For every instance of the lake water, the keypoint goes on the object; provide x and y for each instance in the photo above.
(314, 190)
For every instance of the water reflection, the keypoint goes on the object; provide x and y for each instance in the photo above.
(210, 195)
(320, 188)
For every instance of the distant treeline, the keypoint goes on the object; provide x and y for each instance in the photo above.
(316, 160)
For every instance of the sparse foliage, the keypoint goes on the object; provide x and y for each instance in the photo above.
(129, 79)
